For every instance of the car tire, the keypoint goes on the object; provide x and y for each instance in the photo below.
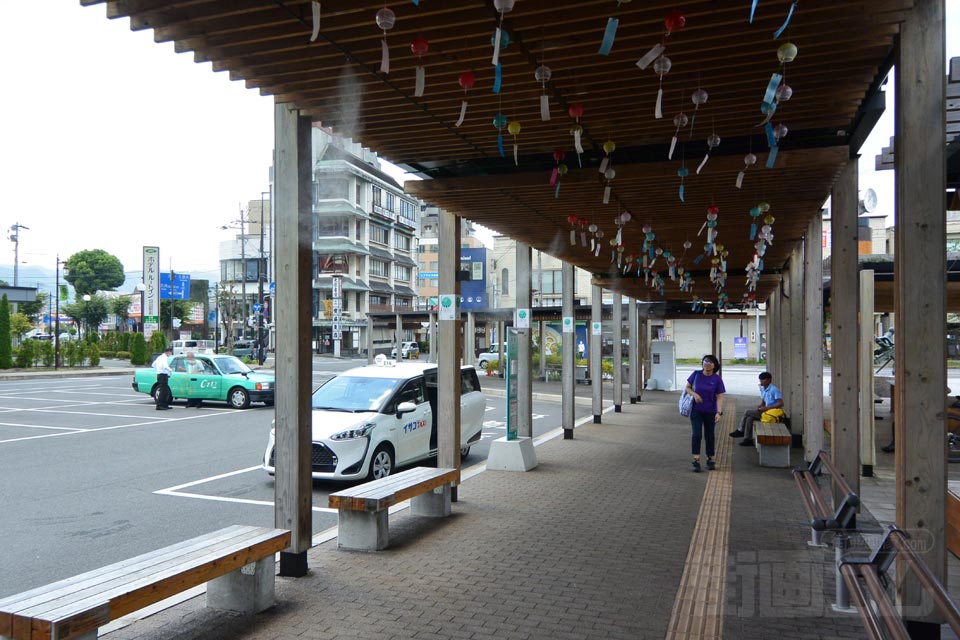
(238, 398)
(153, 392)
(381, 464)
(464, 452)
(483, 364)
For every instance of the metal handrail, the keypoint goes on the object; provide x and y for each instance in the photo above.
(887, 613)
(835, 473)
(867, 614)
(941, 598)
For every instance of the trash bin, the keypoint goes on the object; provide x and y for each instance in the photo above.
(581, 375)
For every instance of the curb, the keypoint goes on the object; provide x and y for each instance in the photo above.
(81, 373)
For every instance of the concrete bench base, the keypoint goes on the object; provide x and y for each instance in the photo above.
(249, 589)
(773, 441)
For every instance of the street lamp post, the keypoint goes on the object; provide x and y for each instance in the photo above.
(86, 299)
(56, 322)
(261, 356)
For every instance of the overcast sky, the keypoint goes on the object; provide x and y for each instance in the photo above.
(112, 141)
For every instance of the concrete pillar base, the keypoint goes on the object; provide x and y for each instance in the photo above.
(362, 530)
(293, 565)
(432, 504)
(250, 589)
(568, 434)
(618, 408)
(511, 455)
(596, 418)
(633, 400)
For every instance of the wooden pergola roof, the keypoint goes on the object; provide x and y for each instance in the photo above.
(845, 49)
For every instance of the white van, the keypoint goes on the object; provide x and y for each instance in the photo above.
(193, 346)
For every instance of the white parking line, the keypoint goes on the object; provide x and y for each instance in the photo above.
(175, 491)
(37, 426)
(153, 422)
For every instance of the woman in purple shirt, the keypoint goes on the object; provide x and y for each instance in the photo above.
(706, 387)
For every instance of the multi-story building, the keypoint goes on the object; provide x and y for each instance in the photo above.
(364, 232)
(428, 255)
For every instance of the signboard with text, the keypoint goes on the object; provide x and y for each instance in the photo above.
(151, 295)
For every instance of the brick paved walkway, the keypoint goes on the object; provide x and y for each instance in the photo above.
(590, 544)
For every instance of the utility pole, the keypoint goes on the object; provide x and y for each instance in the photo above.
(243, 260)
(261, 355)
(15, 238)
(56, 334)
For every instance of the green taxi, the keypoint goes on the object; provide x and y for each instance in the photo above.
(211, 377)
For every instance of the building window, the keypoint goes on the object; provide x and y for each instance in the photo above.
(401, 242)
(333, 226)
(332, 263)
(331, 189)
(552, 281)
(359, 234)
(358, 194)
(408, 212)
(401, 272)
(434, 266)
(504, 282)
(378, 234)
(377, 197)
(423, 266)
(378, 268)
(391, 202)
(379, 300)
(403, 302)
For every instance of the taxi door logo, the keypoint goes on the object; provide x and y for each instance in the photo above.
(208, 384)
(410, 427)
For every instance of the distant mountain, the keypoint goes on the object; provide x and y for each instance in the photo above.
(45, 279)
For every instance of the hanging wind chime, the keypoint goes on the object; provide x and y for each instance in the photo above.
(500, 122)
(713, 141)
(499, 41)
(698, 98)
(386, 18)
(674, 21)
(419, 47)
(610, 32)
(748, 161)
(543, 75)
(315, 10)
(514, 129)
(465, 81)
(558, 172)
(679, 121)
(608, 148)
(776, 34)
(575, 111)
(777, 91)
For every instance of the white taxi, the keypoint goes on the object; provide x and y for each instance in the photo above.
(370, 420)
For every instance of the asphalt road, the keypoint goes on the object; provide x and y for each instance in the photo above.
(91, 474)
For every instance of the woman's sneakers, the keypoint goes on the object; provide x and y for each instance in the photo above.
(711, 465)
(696, 465)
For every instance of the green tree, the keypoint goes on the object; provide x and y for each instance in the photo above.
(120, 307)
(6, 351)
(158, 342)
(138, 350)
(19, 325)
(33, 309)
(94, 270)
(87, 313)
(181, 309)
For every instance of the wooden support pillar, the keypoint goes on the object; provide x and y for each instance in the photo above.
(369, 339)
(398, 335)
(868, 441)
(813, 341)
(772, 330)
(293, 488)
(617, 348)
(844, 300)
(432, 333)
(525, 343)
(633, 335)
(920, 261)
(448, 347)
(569, 350)
(796, 346)
(596, 341)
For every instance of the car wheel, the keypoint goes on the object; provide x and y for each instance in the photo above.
(381, 465)
(483, 364)
(239, 398)
(153, 392)
(464, 452)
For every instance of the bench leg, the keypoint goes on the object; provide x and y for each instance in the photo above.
(432, 503)
(774, 455)
(250, 589)
(362, 530)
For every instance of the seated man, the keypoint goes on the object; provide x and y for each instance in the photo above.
(770, 398)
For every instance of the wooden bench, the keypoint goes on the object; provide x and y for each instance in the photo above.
(772, 440)
(238, 563)
(362, 520)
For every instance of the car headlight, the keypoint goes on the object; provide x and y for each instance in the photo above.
(355, 432)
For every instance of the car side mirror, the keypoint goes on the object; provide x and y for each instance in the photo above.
(405, 407)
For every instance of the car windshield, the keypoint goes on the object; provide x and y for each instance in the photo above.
(355, 393)
(229, 364)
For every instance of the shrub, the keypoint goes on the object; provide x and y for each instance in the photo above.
(45, 353)
(158, 342)
(108, 354)
(138, 350)
(6, 350)
(123, 355)
(24, 355)
(92, 353)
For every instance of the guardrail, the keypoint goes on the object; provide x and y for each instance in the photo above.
(872, 570)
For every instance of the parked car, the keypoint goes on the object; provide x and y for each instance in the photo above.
(484, 359)
(244, 348)
(408, 351)
(211, 377)
(370, 420)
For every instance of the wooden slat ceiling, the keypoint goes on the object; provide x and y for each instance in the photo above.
(844, 46)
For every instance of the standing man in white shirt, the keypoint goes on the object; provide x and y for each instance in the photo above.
(162, 366)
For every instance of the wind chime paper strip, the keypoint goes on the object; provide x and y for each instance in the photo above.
(753, 8)
(608, 36)
(681, 194)
(516, 154)
(658, 112)
(497, 78)
(577, 143)
(772, 158)
(776, 34)
(703, 162)
(463, 113)
(421, 82)
(606, 194)
(500, 145)
(771, 91)
(604, 163)
(554, 175)
(496, 48)
(315, 7)
(673, 145)
(650, 56)
(544, 107)
(771, 139)
(740, 179)
(384, 57)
